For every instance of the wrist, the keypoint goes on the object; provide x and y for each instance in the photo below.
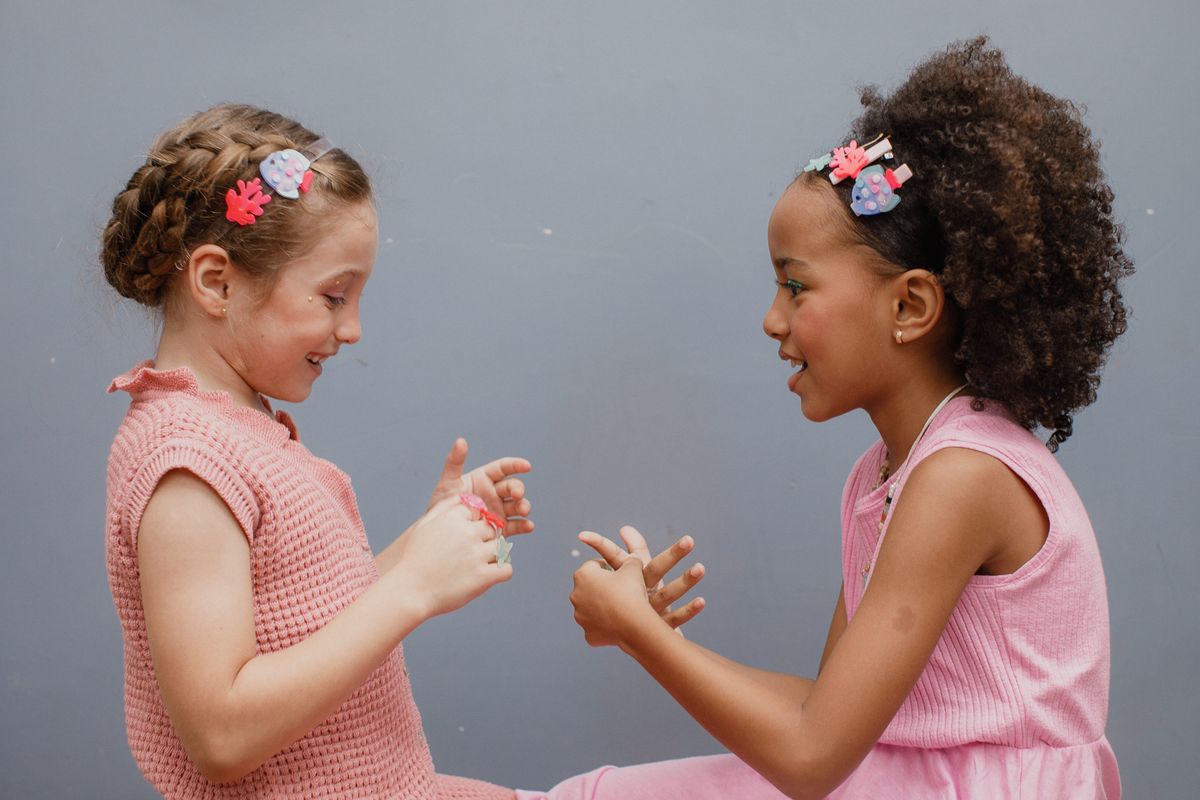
(410, 599)
(643, 631)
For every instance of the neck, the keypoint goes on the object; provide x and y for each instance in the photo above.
(183, 345)
(900, 418)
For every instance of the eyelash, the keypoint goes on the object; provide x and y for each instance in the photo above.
(796, 287)
(335, 300)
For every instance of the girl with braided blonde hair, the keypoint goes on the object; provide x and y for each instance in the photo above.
(262, 636)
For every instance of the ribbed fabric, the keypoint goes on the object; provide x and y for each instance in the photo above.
(309, 559)
(1024, 660)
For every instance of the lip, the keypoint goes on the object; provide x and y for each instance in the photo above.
(319, 366)
(794, 378)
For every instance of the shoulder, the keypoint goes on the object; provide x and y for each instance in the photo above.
(171, 435)
(962, 481)
(977, 505)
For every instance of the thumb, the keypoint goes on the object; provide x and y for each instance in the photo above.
(453, 469)
(632, 564)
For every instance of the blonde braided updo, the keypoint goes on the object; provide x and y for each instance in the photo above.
(176, 201)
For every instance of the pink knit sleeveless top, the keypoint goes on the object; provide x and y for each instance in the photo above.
(1024, 659)
(309, 559)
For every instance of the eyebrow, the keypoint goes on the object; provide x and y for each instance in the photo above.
(346, 273)
(784, 263)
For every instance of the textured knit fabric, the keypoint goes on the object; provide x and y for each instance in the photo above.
(1014, 699)
(309, 559)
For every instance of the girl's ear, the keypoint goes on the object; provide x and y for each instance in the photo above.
(211, 276)
(918, 304)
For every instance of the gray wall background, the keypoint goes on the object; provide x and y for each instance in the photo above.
(573, 268)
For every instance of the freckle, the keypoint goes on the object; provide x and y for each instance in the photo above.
(904, 620)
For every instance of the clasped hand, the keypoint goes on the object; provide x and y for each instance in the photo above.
(624, 589)
(448, 556)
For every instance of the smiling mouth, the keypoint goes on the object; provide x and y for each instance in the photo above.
(315, 360)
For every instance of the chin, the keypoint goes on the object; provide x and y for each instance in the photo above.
(815, 412)
(296, 394)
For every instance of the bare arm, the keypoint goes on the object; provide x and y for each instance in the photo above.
(234, 709)
(956, 513)
(837, 626)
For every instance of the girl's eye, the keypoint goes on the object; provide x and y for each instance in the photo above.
(795, 287)
(335, 299)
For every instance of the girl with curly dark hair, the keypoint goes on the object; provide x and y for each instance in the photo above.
(953, 269)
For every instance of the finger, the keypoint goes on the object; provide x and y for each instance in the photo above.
(453, 468)
(512, 489)
(516, 527)
(487, 490)
(501, 573)
(685, 614)
(501, 468)
(631, 570)
(606, 547)
(588, 567)
(663, 597)
(517, 508)
(665, 561)
(635, 543)
(448, 505)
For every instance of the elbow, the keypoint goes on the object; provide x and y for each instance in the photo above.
(809, 786)
(806, 773)
(222, 759)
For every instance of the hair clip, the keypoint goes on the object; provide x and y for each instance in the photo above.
(287, 173)
(848, 161)
(245, 203)
(875, 189)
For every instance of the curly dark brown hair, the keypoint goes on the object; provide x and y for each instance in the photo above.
(1008, 205)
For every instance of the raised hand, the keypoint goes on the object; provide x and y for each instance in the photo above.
(660, 596)
(494, 482)
(448, 558)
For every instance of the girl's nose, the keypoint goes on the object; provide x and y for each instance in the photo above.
(775, 323)
(349, 330)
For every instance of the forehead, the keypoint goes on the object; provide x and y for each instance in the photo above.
(345, 247)
(807, 217)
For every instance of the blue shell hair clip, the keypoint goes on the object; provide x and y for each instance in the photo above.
(875, 188)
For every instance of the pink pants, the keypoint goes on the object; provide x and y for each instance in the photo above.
(700, 778)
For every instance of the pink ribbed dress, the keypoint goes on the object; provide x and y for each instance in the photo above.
(1013, 701)
(309, 559)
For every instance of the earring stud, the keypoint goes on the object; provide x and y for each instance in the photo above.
(899, 337)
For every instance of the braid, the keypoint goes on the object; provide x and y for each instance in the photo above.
(176, 200)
